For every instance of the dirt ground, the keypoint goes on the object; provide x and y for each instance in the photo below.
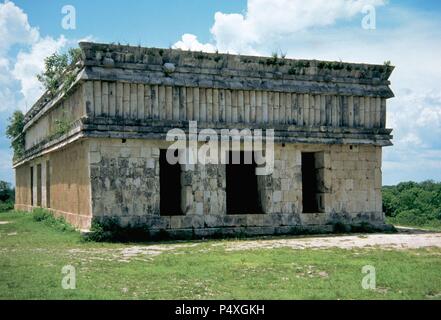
(406, 238)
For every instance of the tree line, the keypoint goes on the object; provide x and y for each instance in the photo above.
(414, 204)
(7, 196)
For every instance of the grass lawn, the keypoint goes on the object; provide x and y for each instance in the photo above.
(33, 254)
(433, 225)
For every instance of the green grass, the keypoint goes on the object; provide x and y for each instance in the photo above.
(33, 253)
(434, 225)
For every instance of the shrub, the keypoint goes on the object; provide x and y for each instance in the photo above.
(6, 206)
(46, 217)
(339, 227)
(109, 230)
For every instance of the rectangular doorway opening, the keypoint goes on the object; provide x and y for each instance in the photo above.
(39, 185)
(170, 186)
(310, 184)
(32, 186)
(242, 189)
(48, 184)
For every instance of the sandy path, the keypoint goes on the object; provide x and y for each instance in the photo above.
(405, 239)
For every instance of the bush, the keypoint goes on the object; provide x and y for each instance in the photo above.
(340, 227)
(363, 227)
(7, 193)
(6, 206)
(46, 217)
(110, 230)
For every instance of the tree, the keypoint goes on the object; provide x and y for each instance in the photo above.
(413, 203)
(14, 132)
(6, 192)
(59, 70)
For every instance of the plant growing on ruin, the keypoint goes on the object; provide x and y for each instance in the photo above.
(217, 57)
(59, 71)
(273, 60)
(14, 131)
(62, 125)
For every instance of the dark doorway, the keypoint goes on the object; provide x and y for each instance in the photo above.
(48, 184)
(32, 186)
(39, 185)
(242, 192)
(309, 183)
(170, 186)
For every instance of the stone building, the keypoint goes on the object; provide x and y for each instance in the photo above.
(96, 151)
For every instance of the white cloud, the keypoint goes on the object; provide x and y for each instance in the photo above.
(29, 63)
(266, 21)
(22, 54)
(317, 29)
(19, 88)
(190, 42)
(14, 27)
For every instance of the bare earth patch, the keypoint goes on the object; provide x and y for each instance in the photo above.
(126, 254)
(406, 239)
(152, 250)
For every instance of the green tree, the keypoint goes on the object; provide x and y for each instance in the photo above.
(59, 70)
(6, 192)
(413, 203)
(14, 132)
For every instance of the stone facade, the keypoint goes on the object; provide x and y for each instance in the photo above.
(125, 184)
(126, 99)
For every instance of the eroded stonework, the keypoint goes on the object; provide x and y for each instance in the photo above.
(125, 184)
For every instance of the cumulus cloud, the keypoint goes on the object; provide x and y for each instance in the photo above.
(322, 29)
(266, 21)
(19, 88)
(269, 20)
(31, 62)
(190, 42)
(14, 27)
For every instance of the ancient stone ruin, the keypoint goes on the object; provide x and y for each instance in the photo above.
(329, 121)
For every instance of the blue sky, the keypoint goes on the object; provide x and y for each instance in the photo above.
(406, 32)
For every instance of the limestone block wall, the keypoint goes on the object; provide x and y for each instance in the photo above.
(70, 184)
(203, 189)
(22, 186)
(134, 101)
(64, 112)
(125, 184)
(124, 179)
(60, 183)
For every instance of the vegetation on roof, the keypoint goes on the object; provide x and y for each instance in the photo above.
(60, 71)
